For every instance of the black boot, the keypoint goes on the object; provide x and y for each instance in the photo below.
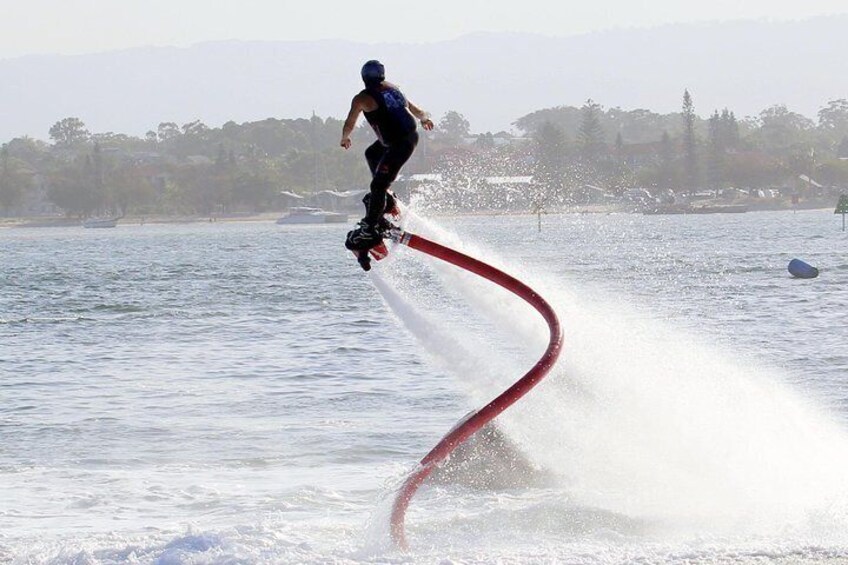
(364, 260)
(363, 237)
(391, 204)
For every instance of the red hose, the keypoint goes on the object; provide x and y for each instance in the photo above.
(486, 414)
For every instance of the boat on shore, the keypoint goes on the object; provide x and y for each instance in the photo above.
(306, 215)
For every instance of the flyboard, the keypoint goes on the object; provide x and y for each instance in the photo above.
(379, 251)
(478, 419)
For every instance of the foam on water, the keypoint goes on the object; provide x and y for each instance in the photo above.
(655, 435)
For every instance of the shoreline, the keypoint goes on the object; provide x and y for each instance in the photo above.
(48, 222)
(53, 222)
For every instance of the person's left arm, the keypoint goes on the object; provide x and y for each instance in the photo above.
(422, 116)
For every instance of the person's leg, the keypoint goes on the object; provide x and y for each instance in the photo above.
(373, 155)
(386, 172)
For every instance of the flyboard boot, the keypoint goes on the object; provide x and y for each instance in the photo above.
(366, 240)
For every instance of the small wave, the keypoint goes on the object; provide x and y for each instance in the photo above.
(24, 408)
(119, 308)
(45, 320)
(350, 349)
(362, 323)
(753, 269)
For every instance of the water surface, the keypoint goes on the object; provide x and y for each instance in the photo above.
(243, 392)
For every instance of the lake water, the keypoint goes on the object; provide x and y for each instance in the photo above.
(243, 393)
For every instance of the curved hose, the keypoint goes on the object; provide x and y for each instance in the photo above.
(486, 414)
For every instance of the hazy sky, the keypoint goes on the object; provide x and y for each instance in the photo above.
(84, 26)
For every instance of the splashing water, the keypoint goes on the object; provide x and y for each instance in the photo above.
(649, 430)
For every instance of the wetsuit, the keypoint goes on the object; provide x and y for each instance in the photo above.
(397, 137)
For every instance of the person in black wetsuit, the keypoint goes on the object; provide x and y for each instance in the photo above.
(392, 116)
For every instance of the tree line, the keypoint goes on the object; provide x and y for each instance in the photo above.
(196, 169)
(178, 169)
(617, 149)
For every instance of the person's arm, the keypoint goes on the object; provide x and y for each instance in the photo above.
(350, 122)
(423, 116)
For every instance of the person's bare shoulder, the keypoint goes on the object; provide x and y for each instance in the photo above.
(358, 99)
(364, 102)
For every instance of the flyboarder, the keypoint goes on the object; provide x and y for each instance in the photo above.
(392, 116)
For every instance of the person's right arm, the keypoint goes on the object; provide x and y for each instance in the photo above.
(350, 122)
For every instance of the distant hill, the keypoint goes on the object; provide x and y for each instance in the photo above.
(493, 79)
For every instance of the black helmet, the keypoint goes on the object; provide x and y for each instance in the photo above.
(373, 72)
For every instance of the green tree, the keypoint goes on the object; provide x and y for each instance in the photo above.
(715, 157)
(454, 125)
(98, 184)
(590, 135)
(728, 130)
(13, 182)
(594, 164)
(753, 168)
(27, 149)
(195, 140)
(132, 189)
(71, 189)
(196, 128)
(833, 119)
(842, 150)
(723, 136)
(200, 189)
(780, 131)
(666, 173)
(622, 174)
(255, 188)
(637, 126)
(690, 142)
(167, 131)
(68, 131)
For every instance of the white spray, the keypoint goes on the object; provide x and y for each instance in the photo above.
(642, 420)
